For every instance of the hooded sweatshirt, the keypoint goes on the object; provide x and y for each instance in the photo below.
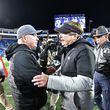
(23, 67)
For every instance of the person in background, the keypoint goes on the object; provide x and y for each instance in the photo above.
(49, 63)
(91, 41)
(109, 33)
(102, 69)
(23, 67)
(3, 99)
(77, 68)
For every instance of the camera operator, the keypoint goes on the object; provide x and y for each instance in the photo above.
(50, 62)
(49, 59)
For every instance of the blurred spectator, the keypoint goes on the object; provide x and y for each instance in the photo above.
(109, 34)
(49, 61)
(91, 41)
(102, 69)
(3, 99)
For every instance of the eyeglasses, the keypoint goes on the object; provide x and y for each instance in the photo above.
(71, 33)
(67, 34)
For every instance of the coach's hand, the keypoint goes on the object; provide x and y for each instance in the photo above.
(40, 80)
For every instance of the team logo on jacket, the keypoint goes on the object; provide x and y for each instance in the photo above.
(68, 58)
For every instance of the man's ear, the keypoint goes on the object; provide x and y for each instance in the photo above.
(24, 38)
(107, 35)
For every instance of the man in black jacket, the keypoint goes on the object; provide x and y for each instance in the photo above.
(23, 66)
(102, 74)
(77, 68)
(109, 33)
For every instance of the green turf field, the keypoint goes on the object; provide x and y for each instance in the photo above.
(8, 93)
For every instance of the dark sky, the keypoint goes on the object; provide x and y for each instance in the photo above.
(40, 13)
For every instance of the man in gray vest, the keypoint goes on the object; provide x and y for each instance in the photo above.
(77, 68)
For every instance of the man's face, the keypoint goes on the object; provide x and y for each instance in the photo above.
(67, 39)
(101, 39)
(31, 41)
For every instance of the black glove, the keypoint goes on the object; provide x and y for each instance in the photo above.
(50, 70)
(43, 58)
(2, 78)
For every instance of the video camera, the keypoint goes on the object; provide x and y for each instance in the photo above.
(51, 45)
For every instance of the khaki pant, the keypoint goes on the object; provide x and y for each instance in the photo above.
(53, 99)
